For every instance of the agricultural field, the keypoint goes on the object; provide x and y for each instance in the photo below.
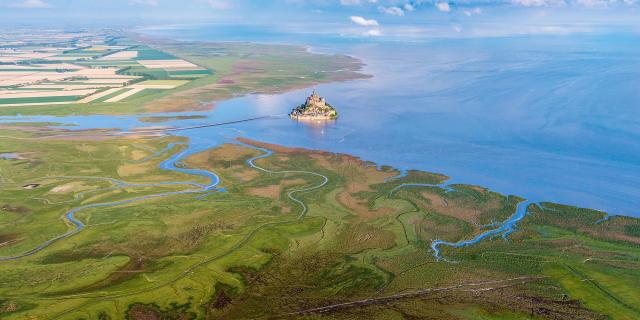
(86, 71)
(295, 234)
(109, 73)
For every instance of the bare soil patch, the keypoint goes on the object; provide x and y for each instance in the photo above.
(127, 170)
(69, 187)
(274, 191)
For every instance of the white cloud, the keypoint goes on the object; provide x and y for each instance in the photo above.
(364, 22)
(530, 3)
(595, 3)
(408, 7)
(30, 4)
(541, 3)
(219, 4)
(373, 33)
(394, 11)
(145, 2)
(350, 2)
(472, 12)
(443, 6)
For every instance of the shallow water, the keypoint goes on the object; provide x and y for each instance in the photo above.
(169, 164)
(546, 118)
(9, 156)
(551, 119)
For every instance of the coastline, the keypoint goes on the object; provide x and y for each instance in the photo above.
(444, 181)
(157, 174)
(524, 210)
(232, 75)
(303, 197)
(351, 68)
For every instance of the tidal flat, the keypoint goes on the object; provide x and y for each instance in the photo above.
(238, 212)
(287, 233)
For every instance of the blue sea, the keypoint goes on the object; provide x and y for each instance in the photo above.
(548, 118)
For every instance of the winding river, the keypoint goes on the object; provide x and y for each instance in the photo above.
(268, 153)
(168, 164)
(503, 229)
(173, 163)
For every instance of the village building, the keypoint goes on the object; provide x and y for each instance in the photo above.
(314, 108)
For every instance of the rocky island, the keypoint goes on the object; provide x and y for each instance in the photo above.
(315, 108)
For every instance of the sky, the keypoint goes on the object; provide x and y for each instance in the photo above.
(392, 19)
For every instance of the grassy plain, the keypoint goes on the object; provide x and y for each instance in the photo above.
(247, 252)
(220, 71)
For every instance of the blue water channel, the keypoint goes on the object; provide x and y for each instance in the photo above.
(170, 164)
(545, 118)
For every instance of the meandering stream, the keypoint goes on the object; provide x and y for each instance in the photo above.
(503, 229)
(168, 164)
(173, 163)
(268, 153)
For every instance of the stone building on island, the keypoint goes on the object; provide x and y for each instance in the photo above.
(315, 108)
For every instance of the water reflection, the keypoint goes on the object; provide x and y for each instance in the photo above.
(316, 129)
(550, 119)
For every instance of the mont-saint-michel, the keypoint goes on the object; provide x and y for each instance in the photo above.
(315, 108)
(148, 174)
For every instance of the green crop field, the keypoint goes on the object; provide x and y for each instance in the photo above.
(163, 82)
(33, 70)
(147, 53)
(110, 63)
(95, 225)
(361, 249)
(230, 71)
(189, 72)
(38, 99)
(150, 73)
